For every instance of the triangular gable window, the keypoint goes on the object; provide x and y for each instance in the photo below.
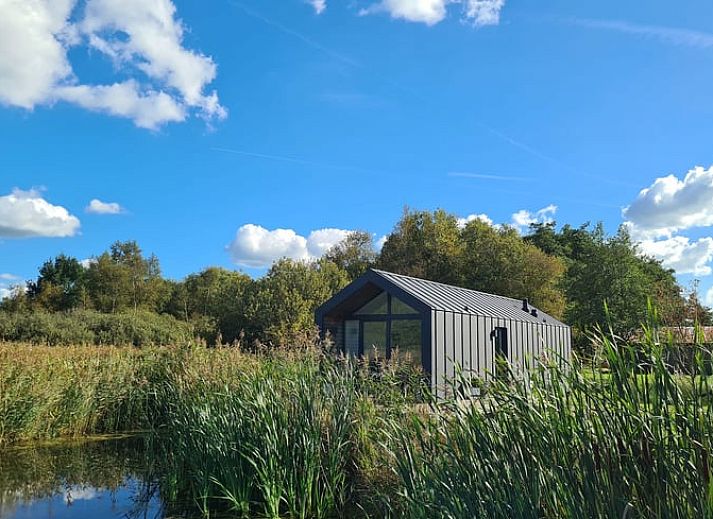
(377, 306)
(398, 307)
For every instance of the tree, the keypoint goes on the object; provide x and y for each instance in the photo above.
(425, 245)
(284, 301)
(122, 279)
(499, 261)
(354, 254)
(219, 294)
(60, 285)
(609, 271)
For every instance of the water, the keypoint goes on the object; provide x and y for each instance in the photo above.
(89, 480)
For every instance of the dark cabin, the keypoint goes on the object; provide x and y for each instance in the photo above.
(439, 326)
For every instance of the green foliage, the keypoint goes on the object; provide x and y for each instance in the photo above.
(499, 261)
(295, 433)
(88, 327)
(608, 271)
(355, 254)
(217, 295)
(60, 285)
(286, 297)
(478, 256)
(567, 443)
(425, 245)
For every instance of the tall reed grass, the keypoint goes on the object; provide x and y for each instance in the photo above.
(631, 440)
(301, 434)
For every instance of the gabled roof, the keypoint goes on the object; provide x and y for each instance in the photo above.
(439, 296)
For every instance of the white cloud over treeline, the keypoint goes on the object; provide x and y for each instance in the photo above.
(671, 206)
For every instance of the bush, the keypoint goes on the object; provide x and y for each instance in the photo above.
(84, 327)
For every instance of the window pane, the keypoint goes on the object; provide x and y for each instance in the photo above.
(374, 339)
(377, 306)
(399, 307)
(406, 338)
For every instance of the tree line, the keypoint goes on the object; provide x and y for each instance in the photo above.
(579, 274)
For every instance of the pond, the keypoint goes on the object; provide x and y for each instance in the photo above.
(111, 478)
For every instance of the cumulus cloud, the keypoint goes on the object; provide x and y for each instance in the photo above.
(709, 297)
(8, 277)
(96, 206)
(665, 209)
(670, 204)
(256, 246)
(462, 222)
(25, 214)
(682, 254)
(142, 38)
(522, 219)
(430, 12)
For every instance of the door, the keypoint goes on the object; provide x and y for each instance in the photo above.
(351, 338)
(500, 336)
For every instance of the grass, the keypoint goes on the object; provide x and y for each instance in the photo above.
(300, 434)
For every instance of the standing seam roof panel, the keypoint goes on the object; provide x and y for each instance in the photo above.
(449, 298)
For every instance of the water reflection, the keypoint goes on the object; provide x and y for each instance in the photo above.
(98, 479)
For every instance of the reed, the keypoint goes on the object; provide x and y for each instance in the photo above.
(300, 434)
(634, 441)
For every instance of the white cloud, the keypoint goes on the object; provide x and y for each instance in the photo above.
(670, 205)
(522, 219)
(318, 5)
(319, 242)
(665, 209)
(462, 222)
(380, 242)
(709, 297)
(148, 109)
(144, 40)
(430, 12)
(255, 246)
(484, 12)
(682, 254)
(26, 214)
(8, 277)
(33, 56)
(98, 207)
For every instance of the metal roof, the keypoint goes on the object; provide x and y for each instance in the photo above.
(449, 298)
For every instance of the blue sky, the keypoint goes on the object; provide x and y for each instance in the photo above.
(213, 124)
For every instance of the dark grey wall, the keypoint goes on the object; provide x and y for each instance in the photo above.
(464, 340)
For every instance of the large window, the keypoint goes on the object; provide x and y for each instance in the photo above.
(406, 340)
(375, 339)
(389, 326)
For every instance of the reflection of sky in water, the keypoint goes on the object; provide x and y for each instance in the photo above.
(78, 502)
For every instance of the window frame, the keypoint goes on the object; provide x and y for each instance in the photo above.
(388, 317)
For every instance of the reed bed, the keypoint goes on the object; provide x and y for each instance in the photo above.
(299, 434)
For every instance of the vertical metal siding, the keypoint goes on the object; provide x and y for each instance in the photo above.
(465, 341)
(449, 331)
(440, 353)
(458, 341)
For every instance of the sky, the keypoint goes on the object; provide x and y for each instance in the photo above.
(234, 132)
